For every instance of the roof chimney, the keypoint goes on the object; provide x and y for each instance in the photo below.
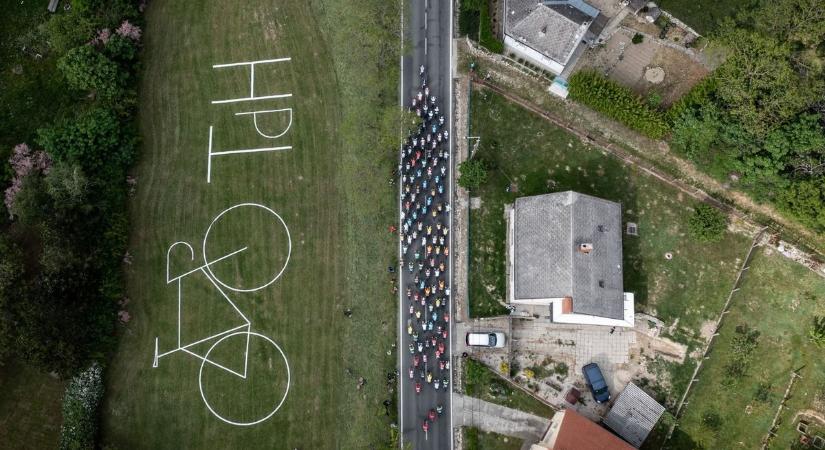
(586, 248)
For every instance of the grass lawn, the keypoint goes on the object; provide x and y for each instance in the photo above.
(475, 439)
(30, 403)
(777, 300)
(482, 382)
(329, 268)
(535, 157)
(704, 15)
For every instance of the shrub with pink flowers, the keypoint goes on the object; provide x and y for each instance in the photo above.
(102, 37)
(128, 30)
(24, 162)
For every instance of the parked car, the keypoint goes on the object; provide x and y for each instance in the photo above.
(595, 380)
(495, 340)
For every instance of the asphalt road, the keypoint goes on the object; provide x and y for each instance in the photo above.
(427, 28)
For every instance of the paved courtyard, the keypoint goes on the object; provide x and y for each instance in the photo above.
(536, 342)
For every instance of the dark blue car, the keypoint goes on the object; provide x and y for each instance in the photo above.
(595, 380)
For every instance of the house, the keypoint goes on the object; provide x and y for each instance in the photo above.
(633, 415)
(564, 259)
(549, 33)
(570, 430)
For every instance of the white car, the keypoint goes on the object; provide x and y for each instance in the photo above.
(495, 340)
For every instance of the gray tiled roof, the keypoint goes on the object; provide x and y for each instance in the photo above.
(554, 31)
(548, 230)
(634, 415)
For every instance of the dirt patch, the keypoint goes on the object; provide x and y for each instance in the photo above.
(707, 329)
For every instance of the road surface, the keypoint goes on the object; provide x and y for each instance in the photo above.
(427, 30)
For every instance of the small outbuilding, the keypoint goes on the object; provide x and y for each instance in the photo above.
(633, 415)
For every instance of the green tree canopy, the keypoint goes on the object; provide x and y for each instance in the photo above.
(87, 69)
(707, 224)
(473, 174)
(95, 141)
(759, 84)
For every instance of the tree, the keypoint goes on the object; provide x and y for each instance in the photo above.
(801, 21)
(707, 224)
(95, 141)
(121, 49)
(473, 174)
(87, 69)
(67, 185)
(805, 200)
(638, 38)
(816, 334)
(759, 84)
(66, 31)
(695, 132)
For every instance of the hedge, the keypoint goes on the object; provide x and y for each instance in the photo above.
(475, 14)
(616, 102)
(83, 396)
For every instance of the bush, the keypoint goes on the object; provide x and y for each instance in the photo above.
(637, 38)
(65, 31)
(80, 404)
(474, 20)
(805, 200)
(468, 18)
(707, 224)
(816, 334)
(473, 174)
(616, 102)
(95, 141)
(87, 69)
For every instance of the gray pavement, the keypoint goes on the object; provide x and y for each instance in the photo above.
(427, 29)
(474, 412)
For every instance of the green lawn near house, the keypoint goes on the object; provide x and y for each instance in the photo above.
(736, 397)
(531, 156)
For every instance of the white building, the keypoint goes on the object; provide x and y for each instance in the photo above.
(565, 259)
(548, 32)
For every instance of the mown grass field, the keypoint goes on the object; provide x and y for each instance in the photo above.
(536, 157)
(307, 186)
(778, 299)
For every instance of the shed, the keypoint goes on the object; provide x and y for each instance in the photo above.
(634, 414)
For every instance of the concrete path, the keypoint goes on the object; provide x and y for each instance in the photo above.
(473, 412)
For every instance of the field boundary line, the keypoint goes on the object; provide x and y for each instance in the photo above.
(767, 439)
